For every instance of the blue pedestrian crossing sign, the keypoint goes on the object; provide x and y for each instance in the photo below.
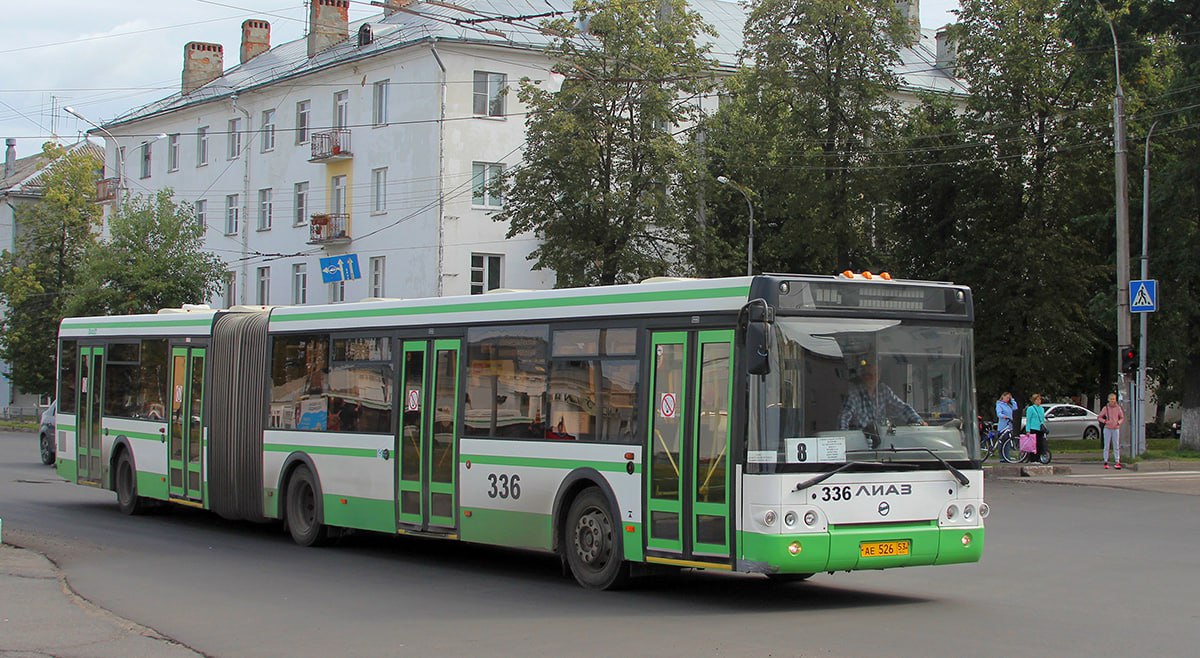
(340, 268)
(1143, 296)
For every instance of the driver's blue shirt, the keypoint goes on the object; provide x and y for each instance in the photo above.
(866, 409)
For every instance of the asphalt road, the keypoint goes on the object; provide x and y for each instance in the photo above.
(1067, 570)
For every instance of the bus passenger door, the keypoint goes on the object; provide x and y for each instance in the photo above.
(427, 442)
(688, 486)
(186, 429)
(90, 409)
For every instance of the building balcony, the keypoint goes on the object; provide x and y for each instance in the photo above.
(107, 189)
(330, 146)
(327, 228)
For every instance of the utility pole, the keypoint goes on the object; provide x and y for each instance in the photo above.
(1124, 321)
(1139, 435)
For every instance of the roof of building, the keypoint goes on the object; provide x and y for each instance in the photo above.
(28, 172)
(505, 23)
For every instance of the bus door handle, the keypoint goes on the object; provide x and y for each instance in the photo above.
(163, 432)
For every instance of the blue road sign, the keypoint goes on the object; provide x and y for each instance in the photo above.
(340, 268)
(1143, 296)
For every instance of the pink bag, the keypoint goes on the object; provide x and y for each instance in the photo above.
(1028, 443)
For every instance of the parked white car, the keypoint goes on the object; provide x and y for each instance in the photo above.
(1070, 421)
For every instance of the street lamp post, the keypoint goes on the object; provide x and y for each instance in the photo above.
(1139, 436)
(724, 180)
(1124, 321)
(116, 146)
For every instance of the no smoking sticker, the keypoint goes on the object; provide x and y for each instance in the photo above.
(413, 402)
(668, 404)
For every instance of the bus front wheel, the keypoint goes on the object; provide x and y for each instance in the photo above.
(592, 544)
(302, 519)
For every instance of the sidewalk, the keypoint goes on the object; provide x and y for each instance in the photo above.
(1182, 477)
(41, 616)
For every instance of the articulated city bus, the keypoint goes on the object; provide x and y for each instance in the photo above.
(779, 424)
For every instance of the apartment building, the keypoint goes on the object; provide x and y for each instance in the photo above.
(367, 153)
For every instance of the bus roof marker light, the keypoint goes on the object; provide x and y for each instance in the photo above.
(867, 275)
(885, 276)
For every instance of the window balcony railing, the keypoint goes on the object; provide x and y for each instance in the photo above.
(329, 228)
(330, 145)
(107, 189)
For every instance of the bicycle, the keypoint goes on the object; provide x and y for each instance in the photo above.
(1011, 452)
(996, 442)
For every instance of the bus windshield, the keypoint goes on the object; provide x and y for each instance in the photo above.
(860, 389)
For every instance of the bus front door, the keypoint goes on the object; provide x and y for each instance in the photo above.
(688, 482)
(427, 443)
(90, 405)
(186, 429)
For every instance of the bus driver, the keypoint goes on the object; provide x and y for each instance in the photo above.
(869, 405)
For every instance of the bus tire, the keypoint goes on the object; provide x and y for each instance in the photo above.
(303, 521)
(46, 446)
(591, 542)
(125, 480)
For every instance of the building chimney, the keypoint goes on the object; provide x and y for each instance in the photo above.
(10, 156)
(256, 39)
(910, 11)
(328, 24)
(202, 63)
(947, 50)
(392, 6)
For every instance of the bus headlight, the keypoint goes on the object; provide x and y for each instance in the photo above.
(984, 510)
(789, 519)
(769, 517)
(968, 512)
(810, 518)
(952, 512)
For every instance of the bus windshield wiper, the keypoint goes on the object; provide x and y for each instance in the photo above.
(958, 475)
(828, 474)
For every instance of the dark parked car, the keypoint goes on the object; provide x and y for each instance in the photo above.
(46, 435)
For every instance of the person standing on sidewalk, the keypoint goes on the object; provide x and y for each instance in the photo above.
(1112, 416)
(1035, 421)
(1006, 406)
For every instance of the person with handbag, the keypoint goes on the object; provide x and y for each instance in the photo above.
(1035, 422)
(1112, 415)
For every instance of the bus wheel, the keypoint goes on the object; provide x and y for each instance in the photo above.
(302, 520)
(784, 578)
(591, 543)
(127, 496)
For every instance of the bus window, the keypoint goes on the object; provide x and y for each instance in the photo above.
(506, 381)
(68, 362)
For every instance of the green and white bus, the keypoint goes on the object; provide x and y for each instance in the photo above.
(777, 424)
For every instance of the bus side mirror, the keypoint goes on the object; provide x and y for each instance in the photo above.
(758, 360)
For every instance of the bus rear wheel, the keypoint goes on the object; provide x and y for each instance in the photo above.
(592, 544)
(126, 485)
(302, 519)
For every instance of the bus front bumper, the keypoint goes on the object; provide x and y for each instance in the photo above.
(846, 548)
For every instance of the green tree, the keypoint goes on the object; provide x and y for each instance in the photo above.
(51, 238)
(602, 163)
(153, 258)
(800, 128)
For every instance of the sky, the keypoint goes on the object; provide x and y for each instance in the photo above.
(105, 57)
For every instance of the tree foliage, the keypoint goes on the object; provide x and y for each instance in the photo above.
(603, 170)
(800, 128)
(52, 236)
(154, 258)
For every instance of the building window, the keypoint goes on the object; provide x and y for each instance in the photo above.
(145, 173)
(379, 103)
(202, 146)
(262, 296)
(376, 272)
(235, 139)
(231, 289)
(232, 214)
(489, 93)
(301, 204)
(202, 213)
(339, 195)
(341, 109)
(173, 152)
(337, 292)
(303, 110)
(300, 283)
(485, 184)
(264, 209)
(268, 130)
(379, 189)
(485, 272)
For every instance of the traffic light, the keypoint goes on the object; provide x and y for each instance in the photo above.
(1129, 360)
